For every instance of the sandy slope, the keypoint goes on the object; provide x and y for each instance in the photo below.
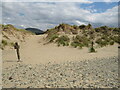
(76, 73)
(34, 52)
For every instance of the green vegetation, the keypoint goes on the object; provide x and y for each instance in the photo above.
(112, 42)
(101, 42)
(8, 26)
(63, 40)
(83, 35)
(74, 32)
(11, 27)
(53, 37)
(12, 44)
(116, 39)
(4, 42)
(82, 27)
(9, 32)
(80, 41)
(107, 40)
(51, 31)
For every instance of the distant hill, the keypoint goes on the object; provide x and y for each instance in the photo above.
(35, 30)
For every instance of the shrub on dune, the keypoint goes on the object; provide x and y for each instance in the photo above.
(101, 42)
(80, 41)
(74, 44)
(107, 40)
(83, 35)
(116, 39)
(4, 42)
(111, 42)
(53, 37)
(63, 40)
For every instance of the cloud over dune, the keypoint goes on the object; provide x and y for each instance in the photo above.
(47, 15)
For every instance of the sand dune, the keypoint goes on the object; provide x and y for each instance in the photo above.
(34, 52)
(49, 66)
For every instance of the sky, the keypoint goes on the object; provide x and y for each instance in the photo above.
(45, 15)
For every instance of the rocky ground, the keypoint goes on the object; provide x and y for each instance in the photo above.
(102, 73)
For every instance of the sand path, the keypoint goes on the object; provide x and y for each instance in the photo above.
(34, 52)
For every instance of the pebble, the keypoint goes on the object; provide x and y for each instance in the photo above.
(71, 74)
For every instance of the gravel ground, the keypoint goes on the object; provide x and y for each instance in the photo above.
(97, 73)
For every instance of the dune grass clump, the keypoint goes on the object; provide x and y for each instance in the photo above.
(112, 42)
(80, 41)
(107, 40)
(63, 40)
(11, 27)
(75, 44)
(116, 39)
(51, 32)
(101, 42)
(7, 26)
(83, 35)
(53, 37)
(12, 44)
(4, 42)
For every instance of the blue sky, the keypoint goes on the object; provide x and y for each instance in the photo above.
(99, 6)
(49, 14)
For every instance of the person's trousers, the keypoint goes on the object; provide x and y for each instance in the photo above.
(18, 54)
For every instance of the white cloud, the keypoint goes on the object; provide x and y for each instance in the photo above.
(48, 15)
(110, 17)
(83, 1)
(107, 0)
(110, 0)
(80, 23)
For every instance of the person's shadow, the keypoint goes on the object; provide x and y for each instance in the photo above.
(10, 61)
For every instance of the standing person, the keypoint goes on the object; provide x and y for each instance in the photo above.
(92, 48)
(92, 44)
(16, 46)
